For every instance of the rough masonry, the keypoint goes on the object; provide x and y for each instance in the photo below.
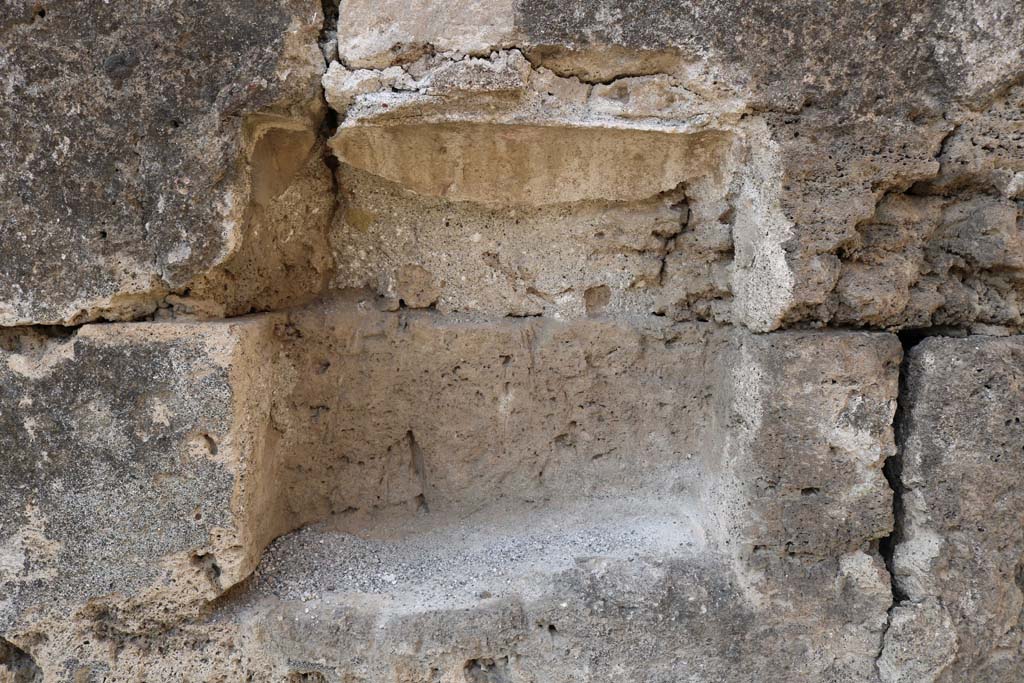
(528, 341)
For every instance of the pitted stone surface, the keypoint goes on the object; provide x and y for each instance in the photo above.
(801, 53)
(807, 200)
(129, 470)
(133, 140)
(666, 253)
(869, 56)
(320, 415)
(804, 427)
(631, 607)
(958, 557)
(527, 410)
(576, 594)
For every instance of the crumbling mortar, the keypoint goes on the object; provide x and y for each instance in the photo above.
(536, 65)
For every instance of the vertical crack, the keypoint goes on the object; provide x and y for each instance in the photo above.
(892, 469)
(328, 42)
(419, 469)
(328, 127)
(329, 31)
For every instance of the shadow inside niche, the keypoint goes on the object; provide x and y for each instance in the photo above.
(16, 665)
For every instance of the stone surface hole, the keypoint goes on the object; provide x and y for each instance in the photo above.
(16, 665)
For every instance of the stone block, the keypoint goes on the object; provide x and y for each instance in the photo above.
(520, 409)
(805, 187)
(803, 427)
(152, 150)
(959, 544)
(134, 471)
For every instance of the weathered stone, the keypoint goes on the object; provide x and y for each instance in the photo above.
(639, 217)
(518, 404)
(928, 261)
(473, 162)
(149, 148)
(800, 52)
(814, 179)
(461, 129)
(803, 428)
(133, 471)
(833, 190)
(377, 34)
(920, 643)
(527, 410)
(959, 549)
(681, 617)
(612, 615)
(528, 415)
(878, 238)
(986, 150)
(648, 255)
(613, 439)
(535, 410)
(780, 54)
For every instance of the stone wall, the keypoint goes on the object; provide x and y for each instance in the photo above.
(524, 341)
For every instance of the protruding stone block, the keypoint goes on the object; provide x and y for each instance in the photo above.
(513, 599)
(160, 149)
(501, 188)
(803, 426)
(530, 164)
(959, 546)
(134, 470)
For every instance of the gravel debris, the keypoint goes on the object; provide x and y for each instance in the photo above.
(432, 559)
